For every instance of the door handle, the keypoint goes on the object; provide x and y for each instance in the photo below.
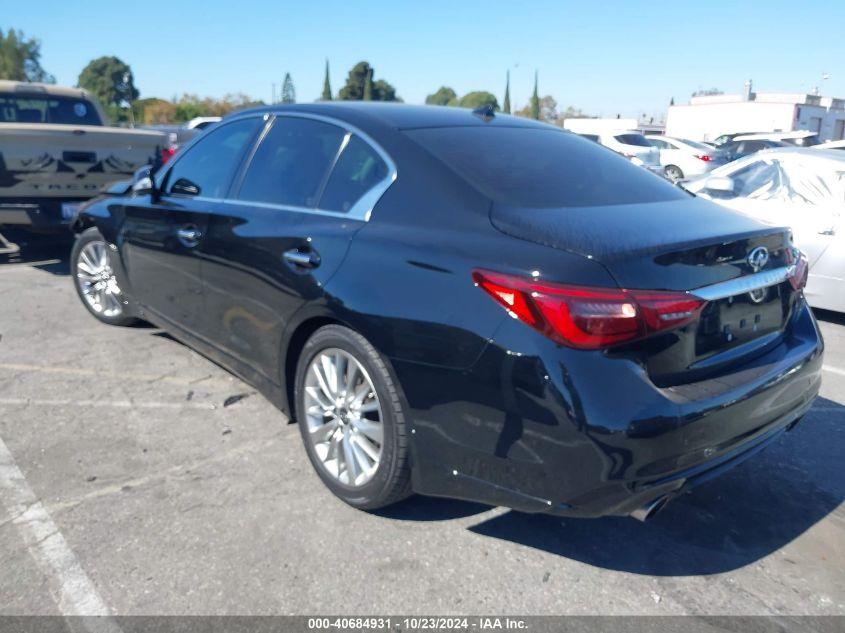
(299, 259)
(189, 236)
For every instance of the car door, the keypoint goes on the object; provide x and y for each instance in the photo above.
(305, 190)
(663, 149)
(161, 231)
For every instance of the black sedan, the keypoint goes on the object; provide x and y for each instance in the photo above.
(465, 304)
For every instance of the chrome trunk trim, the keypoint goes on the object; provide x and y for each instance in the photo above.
(742, 285)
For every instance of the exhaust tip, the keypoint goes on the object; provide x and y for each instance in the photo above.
(646, 512)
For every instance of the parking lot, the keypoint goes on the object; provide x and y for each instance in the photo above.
(137, 477)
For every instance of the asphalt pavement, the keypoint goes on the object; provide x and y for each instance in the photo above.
(137, 477)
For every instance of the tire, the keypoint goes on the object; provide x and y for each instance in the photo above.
(95, 281)
(389, 480)
(673, 173)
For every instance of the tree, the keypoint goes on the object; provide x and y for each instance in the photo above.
(327, 87)
(359, 76)
(672, 101)
(548, 111)
(20, 58)
(153, 110)
(478, 99)
(288, 90)
(506, 104)
(443, 96)
(707, 93)
(535, 100)
(572, 112)
(110, 80)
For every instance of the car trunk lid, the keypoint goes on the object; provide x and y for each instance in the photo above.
(686, 245)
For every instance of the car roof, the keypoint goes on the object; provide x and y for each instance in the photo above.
(774, 136)
(400, 116)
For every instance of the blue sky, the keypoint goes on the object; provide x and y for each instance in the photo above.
(604, 57)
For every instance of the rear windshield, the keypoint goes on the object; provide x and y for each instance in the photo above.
(47, 109)
(542, 168)
(696, 145)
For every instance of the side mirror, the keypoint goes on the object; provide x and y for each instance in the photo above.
(119, 188)
(719, 184)
(143, 187)
(142, 181)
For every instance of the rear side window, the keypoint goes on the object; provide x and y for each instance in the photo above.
(358, 170)
(47, 109)
(633, 139)
(292, 161)
(206, 169)
(542, 168)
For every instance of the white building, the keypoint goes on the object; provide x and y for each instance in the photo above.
(707, 117)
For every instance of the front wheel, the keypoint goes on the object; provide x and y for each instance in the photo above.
(351, 419)
(673, 173)
(95, 280)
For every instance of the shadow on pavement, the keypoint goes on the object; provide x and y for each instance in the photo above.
(830, 317)
(728, 523)
(419, 508)
(49, 253)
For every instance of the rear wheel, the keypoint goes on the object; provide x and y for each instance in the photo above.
(673, 173)
(351, 419)
(95, 280)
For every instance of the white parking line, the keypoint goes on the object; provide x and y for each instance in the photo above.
(75, 593)
(119, 404)
(834, 370)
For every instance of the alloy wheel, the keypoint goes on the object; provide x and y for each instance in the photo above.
(344, 417)
(97, 281)
(673, 173)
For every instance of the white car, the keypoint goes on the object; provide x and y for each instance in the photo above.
(632, 145)
(803, 188)
(202, 122)
(681, 158)
(840, 145)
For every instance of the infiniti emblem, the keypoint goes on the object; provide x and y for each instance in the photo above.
(758, 258)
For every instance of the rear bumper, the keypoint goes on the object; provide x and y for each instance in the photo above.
(540, 428)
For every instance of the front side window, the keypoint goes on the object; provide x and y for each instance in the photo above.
(291, 162)
(659, 143)
(358, 170)
(206, 169)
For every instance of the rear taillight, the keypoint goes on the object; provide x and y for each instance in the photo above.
(167, 153)
(589, 318)
(705, 158)
(800, 268)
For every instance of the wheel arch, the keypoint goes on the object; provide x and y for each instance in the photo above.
(296, 340)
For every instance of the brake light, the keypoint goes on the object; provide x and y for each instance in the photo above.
(706, 158)
(589, 318)
(800, 268)
(167, 153)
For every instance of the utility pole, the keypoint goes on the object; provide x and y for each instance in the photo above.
(273, 102)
